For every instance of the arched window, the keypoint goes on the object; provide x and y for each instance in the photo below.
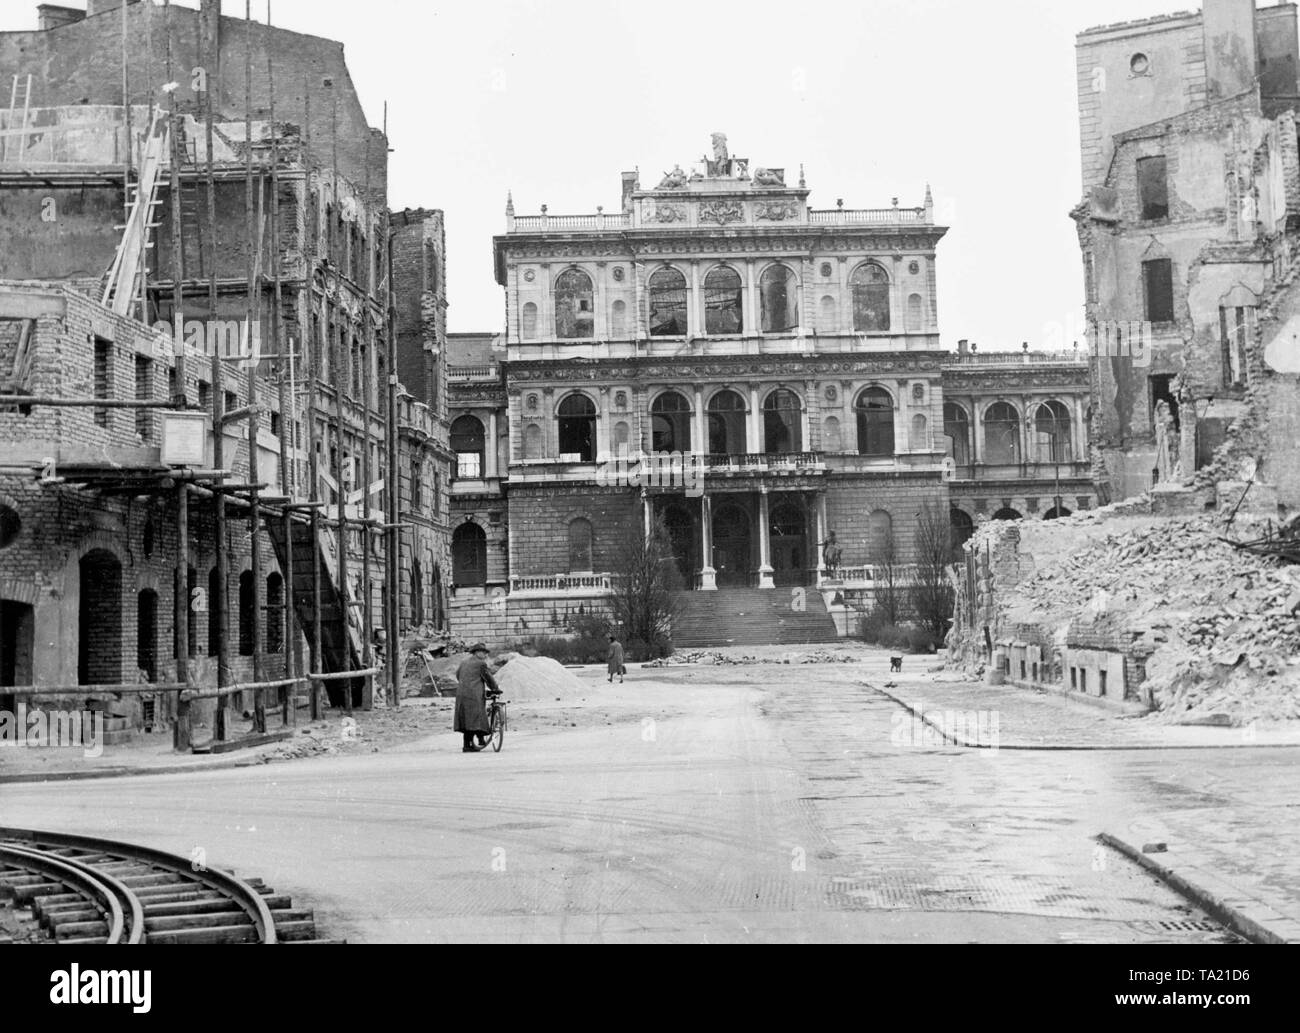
(880, 537)
(726, 411)
(782, 423)
(832, 435)
(667, 303)
(246, 614)
(580, 546)
(618, 319)
(870, 284)
(467, 442)
(1052, 433)
(961, 525)
(275, 613)
(956, 432)
(577, 419)
(469, 556)
(915, 314)
(828, 315)
(574, 307)
(780, 298)
(528, 321)
(723, 302)
(875, 412)
(920, 441)
(1001, 434)
(670, 423)
(1055, 514)
(1007, 513)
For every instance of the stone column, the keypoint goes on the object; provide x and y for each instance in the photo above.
(699, 432)
(976, 430)
(602, 426)
(821, 537)
(695, 304)
(809, 399)
(492, 446)
(551, 428)
(754, 425)
(750, 308)
(764, 543)
(708, 576)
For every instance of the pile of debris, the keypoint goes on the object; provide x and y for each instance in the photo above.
(1219, 623)
(538, 678)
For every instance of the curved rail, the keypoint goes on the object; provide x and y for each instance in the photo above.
(105, 897)
(241, 894)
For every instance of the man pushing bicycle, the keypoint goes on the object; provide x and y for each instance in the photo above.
(474, 683)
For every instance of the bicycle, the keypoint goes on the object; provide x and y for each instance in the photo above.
(496, 721)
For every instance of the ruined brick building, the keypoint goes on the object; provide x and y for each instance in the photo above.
(294, 230)
(790, 355)
(1191, 199)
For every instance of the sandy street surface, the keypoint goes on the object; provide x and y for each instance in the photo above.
(693, 803)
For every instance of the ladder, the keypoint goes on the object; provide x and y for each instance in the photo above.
(24, 88)
(124, 278)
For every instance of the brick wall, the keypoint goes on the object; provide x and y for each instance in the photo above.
(541, 517)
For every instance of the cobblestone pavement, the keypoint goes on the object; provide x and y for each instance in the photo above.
(719, 804)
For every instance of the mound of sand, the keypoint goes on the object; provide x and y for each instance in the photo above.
(539, 678)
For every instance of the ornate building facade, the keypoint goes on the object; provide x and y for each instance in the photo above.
(758, 373)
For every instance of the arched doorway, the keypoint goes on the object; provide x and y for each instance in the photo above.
(469, 556)
(789, 544)
(17, 648)
(146, 633)
(962, 527)
(99, 625)
(732, 546)
(681, 533)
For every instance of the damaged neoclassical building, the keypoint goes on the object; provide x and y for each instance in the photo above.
(789, 354)
(212, 476)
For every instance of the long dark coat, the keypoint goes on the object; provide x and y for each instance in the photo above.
(615, 660)
(473, 679)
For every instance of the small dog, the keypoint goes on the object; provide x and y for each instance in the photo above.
(895, 663)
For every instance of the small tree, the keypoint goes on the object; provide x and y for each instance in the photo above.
(932, 593)
(888, 575)
(647, 588)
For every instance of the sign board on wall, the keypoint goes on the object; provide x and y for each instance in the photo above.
(184, 438)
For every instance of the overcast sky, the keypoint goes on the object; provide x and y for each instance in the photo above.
(552, 99)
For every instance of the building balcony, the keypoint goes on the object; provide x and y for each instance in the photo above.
(765, 463)
(473, 374)
(868, 217)
(567, 585)
(1031, 471)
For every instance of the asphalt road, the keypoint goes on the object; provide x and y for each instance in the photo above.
(692, 804)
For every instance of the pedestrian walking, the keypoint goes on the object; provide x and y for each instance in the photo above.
(473, 682)
(615, 665)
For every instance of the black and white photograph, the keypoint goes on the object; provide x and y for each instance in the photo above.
(567, 472)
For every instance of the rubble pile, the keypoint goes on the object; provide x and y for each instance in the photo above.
(538, 677)
(1221, 626)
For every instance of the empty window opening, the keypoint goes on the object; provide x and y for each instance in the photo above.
(667, 303)
(469, 556)
(780, 300)
(870, 285)
(1236, 330)
(670, 423)
(723, 302)
(1153, 187)
(143, 393)
(247, 613)
(875, 413)
(469, 444)
(146, 634)
(1158, 288)
(575, 311)
(577, 426)
(782, 423)
(103, 377)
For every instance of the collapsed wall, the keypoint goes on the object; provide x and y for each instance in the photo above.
(1135, 605)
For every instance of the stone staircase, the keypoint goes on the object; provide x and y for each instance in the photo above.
(753, 617)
